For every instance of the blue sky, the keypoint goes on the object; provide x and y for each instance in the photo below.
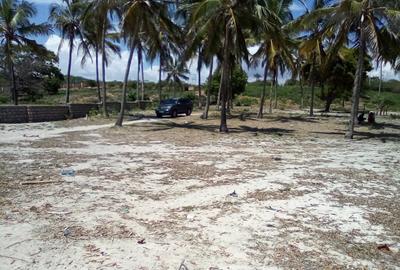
(116, 68)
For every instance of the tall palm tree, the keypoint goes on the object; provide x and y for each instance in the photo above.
(148, 18)
(92, 33)
(362, 19)
(68, 18)
(15, 30)
(104, 10)
(233, 17)
(274, 51)
(177, 72)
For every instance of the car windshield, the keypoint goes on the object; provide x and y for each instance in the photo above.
(168, 102)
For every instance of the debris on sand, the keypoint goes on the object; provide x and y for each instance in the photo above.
(233, 194)
(67, 172)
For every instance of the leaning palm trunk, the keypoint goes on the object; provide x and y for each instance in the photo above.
(124, 90)
(225, 81)
(97, 75)
(357, 85)
(207, 108)
(71, 44)
(262, 101)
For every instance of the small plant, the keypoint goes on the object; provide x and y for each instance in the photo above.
(93, 112)
(246, 101)
(131, 96)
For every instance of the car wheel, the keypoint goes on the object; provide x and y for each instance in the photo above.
(159, 115)
(189, 112)
(174, 113)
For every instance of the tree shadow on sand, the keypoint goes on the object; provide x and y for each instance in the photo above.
(166, 125)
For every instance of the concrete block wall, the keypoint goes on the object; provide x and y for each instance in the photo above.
(81, 110)
(42, 113)
(13, 114)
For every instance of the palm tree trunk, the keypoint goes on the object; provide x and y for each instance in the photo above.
(312, 85)
(103, 69)
(97, 75)
(199, 77)
(301, 93)
(207, 108)
(219, 93)
(138, 78)
(142, 70)
(71, 44)
(124, 90)
(276, 90)
(225, 81)
(13, 86)
(262, 101)
(357, 84)
(270, 92)
(159, 79)
(380, 78)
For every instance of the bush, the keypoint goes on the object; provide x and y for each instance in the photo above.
(189, 95)
(246, 101)
(131, 96)
(52, 85)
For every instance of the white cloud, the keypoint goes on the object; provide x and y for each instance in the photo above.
(114, 71)
(116, 68)
(387, 72)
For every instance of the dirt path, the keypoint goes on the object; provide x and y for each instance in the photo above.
(287, 192)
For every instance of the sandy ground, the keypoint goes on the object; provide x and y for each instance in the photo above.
(287, 192)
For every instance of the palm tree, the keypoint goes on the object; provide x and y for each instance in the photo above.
(15, 30)
(104, 10)
(233, 18)
(274, 50)
(176, 74)
(68, 18)
(362, 18)
(148, 18)
(92, 33)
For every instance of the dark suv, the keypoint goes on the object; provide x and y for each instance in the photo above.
(174, 106)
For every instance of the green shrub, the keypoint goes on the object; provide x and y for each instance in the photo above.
(246, 101)
(189, 95)
(3, 99)
(132, 96)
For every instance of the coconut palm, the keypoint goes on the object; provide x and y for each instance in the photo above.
(68, 18)
(148, 18)
(92, 34)
(15, 30)
(362, 18)
(233, 18)
(274, 50)
(177, 72)
(104, 10)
